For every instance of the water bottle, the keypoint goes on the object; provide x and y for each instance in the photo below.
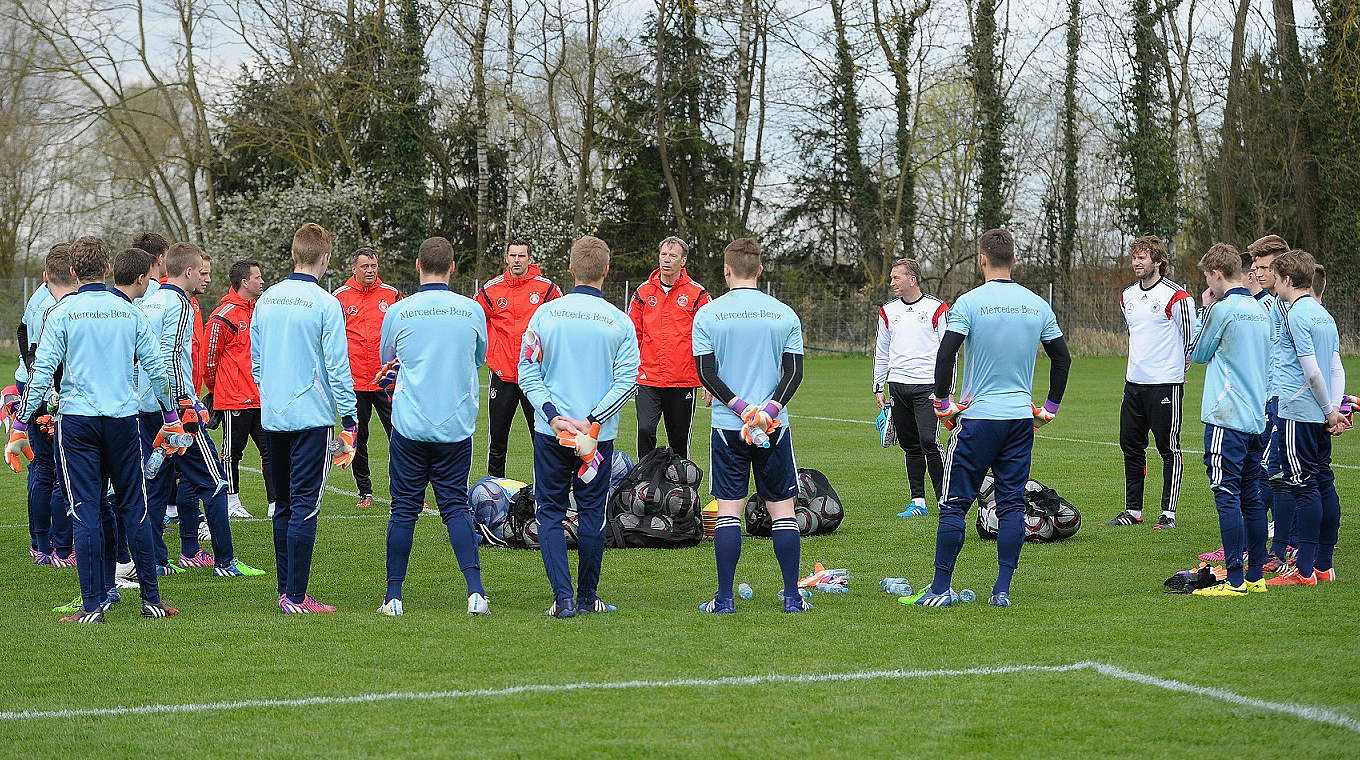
(901, 588)
(154, 462)
(886, 582)
(745, 591)
(801, 592)
(760, 438)
(967, 595)
(833, 588)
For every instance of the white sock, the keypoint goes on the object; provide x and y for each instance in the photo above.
(233, 500)
(271, 509)
(1165, 513)
(172, 511)
(1135, 512)
(919, 501)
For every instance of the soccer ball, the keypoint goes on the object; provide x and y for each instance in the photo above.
(661, 523)
(620, 464)
(628, 520)
(827, 508)
(646, 499)
(1038, 526)
(987, 524)
(529, 534)
(490, 500)
(808, 521)
(570, 529)
(679, 501)
(1067, 521)
(684, 472)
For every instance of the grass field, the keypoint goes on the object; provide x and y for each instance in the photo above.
(1096, 598)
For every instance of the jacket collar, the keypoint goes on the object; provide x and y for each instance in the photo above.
(353, 284)
(304, 277)
(682, 279)
(587, 290)
(1237, 291)
(529, 274)
(434, 286)
(233, 297)
(92, 287)
(175, 289)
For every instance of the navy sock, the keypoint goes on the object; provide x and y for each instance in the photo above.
(1010, 537)
(787, 545)
(401, 531)
(1254, 573)
(726, 551)
(463, 538)
(1282, 510)
(948, 543)
(301, 541)
(1235, 576)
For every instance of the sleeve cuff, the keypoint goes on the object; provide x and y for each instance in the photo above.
(550, 411)
(348, 422)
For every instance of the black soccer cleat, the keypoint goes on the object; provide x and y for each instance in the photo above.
(1124, 518)
(158, 610)
(1165, 522)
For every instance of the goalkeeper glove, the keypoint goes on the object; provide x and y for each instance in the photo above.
(386, 379)
(586, 447)
(531, 347)
(342, 452)
(171, 430)
(582, 443)
(46, 423)
(947, 411)
(18, 447)
(192, 414)
(1044, 414)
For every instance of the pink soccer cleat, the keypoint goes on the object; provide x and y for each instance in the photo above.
(1214, 556)
(63, 562)
(201, 559)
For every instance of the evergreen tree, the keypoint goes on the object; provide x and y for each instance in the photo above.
(1147, 144)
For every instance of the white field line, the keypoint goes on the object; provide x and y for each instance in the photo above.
(1036, 435)
(1306, 712)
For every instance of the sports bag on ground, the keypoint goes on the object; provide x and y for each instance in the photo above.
(1048, 516)
(817, 507)
(656, 504)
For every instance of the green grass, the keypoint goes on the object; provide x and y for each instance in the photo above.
(1096, 597)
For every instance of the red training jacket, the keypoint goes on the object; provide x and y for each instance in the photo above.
(364, 310)
(226, 355)
(665, 322)
(509, 302)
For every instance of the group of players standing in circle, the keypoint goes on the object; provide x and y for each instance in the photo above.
(110, 375)
(1274, 397)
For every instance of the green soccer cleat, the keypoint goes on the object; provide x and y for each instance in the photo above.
(247, 570)
(70, 607)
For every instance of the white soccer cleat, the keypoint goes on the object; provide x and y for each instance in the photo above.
(478, 605)
(234, 508)
(392, 608)
(125, 575)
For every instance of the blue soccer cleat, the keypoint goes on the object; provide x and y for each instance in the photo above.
(796, 604)
(561, 611)
(917, 508)
(1002, 599)
(586, 607)
(719, 606)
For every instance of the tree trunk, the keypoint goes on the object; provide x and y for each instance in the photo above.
(584, 196)
(763, 36)
(742, 83)
(1293, 80)
(993, 117)
(1231, 132)
(483, 155)
(511, 123)
(663, 153)
(1067, 224)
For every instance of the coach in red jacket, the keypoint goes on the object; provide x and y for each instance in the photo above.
(365, 300)
(662, 311)
(509, 300)
(227, 377)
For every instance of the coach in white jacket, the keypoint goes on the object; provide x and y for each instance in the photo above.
(909, 331)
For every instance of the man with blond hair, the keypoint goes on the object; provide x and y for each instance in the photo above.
(298, 334)
(578, 366)
(662, 310)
